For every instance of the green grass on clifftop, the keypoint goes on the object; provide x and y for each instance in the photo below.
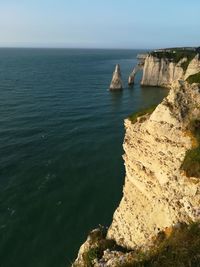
(191, 163)
(133, 117)
(194, 78)
(175, 247)
(175, 55)
(180, 249)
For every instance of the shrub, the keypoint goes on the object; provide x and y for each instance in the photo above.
(175, 55)
(191, 163)
(180, 249)
(194, 78)
(90, 256)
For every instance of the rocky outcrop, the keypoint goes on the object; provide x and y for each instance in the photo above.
(131, 79)
(193, 67)
(162, 71)
(116, 83)
(141, 60)
(157, 194)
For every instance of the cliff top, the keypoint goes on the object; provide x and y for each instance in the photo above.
(176, 54)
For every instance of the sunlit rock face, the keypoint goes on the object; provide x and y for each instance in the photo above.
(156, 193)
(193, 67)
(131, 78)
(161, 71)
(116, 83)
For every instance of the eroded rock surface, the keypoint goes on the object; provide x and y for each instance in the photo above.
(164, 72)
(157, 194)
(131, 78)
(161, 72)
(116, 83)
(193, 67)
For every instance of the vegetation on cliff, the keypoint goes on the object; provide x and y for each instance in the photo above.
(194, 78)
(176, 241)
(191, 163)
(97, 245)
(178, 246)
(175, 55)
(133, 117)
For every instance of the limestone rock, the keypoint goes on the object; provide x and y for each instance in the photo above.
(157, 194)
(116, 83)
(131, 79)
(161, 71)
(193, 67)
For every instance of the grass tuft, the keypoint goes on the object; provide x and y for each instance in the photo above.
(191, 163)
(180, 249)
(133, 117)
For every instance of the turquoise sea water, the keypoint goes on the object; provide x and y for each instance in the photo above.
(61, 135)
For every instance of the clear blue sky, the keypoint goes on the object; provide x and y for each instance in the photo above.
(100, 23)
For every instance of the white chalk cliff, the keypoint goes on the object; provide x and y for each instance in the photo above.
(131, 78)
(163, 71)
(193, 67)
(157, 194)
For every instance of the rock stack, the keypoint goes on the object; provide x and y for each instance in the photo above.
(116, 83)
(131, 78)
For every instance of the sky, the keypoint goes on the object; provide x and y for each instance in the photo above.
(99, 23)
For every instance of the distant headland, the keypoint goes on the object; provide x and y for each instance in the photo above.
(162, 67)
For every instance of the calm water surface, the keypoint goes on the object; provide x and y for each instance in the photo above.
(61, 135)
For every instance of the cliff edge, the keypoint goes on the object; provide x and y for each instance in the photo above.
(163, 67)
(157, 192)
(157, 222)
(158, 195)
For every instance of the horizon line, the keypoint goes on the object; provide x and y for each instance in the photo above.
(86, 48)
(90, 48)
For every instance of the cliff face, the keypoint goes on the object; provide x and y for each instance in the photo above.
(157, 194)
(193, 67)
(163, 71)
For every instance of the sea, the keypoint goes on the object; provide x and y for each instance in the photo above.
(61, 136)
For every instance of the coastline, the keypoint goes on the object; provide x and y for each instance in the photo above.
(157, 195)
